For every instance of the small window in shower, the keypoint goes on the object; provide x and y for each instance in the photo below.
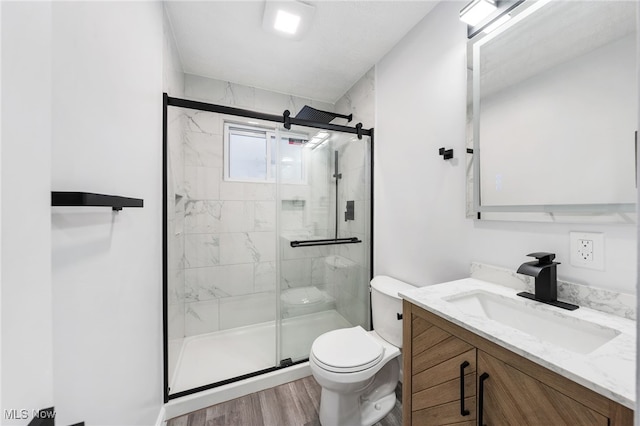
(248, 153)
(249, 158)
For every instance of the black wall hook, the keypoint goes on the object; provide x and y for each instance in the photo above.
(447, 154)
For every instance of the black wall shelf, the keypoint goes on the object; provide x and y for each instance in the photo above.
(67, 198)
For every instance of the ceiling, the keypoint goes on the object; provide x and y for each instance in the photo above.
(225, 40)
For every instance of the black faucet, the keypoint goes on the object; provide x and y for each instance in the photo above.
(544, 271)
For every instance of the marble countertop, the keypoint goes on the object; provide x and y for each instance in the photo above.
(609, 370)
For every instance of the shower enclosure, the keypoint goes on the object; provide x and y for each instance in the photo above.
(267, 240)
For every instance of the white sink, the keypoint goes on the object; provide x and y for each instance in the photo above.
(544, 322)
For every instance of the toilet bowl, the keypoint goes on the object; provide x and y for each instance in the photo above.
(359, 370)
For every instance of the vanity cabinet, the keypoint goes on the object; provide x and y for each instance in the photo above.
(455, 377)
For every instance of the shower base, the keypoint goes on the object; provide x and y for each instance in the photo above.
(222, 355)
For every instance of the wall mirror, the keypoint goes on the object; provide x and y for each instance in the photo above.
(552, 114)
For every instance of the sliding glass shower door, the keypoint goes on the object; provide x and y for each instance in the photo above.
(267, 242)
(323, 206)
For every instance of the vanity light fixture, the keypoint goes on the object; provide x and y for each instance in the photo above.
(476, 11)
(290, 19)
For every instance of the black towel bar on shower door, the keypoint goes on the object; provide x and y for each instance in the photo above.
(326, 242)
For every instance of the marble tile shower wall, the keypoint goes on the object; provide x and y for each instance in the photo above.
(228, 262)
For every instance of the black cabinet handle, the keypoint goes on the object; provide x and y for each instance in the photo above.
(463, 412)
(483, 377)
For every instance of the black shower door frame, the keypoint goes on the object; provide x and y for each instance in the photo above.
(287, 121)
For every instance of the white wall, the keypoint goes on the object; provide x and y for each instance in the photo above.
(173, 73)
(422, 235)
(27, 376)
(107, 281)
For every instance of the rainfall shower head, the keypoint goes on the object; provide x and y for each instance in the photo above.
(312, 114)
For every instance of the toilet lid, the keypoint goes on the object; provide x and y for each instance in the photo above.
(301, 296)
(346, 350)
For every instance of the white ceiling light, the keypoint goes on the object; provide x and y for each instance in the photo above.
(286, 22)
(476, 11)
(289, 19)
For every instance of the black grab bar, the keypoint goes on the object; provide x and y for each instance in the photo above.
(325, 242)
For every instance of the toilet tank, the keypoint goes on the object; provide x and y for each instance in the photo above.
(385, 307)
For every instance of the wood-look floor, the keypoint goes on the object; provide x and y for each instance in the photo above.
(291, 404)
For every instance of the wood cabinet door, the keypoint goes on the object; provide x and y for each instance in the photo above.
(510, 397)
(443, 380)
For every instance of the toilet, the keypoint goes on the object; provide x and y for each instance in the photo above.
(358, 370)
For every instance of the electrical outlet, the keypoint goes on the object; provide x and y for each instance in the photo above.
(587, 250)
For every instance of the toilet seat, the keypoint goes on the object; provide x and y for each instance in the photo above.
(346, 350)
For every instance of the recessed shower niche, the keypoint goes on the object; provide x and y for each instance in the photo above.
(259, 259)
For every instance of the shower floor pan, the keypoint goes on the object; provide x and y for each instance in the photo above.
(222, 355)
